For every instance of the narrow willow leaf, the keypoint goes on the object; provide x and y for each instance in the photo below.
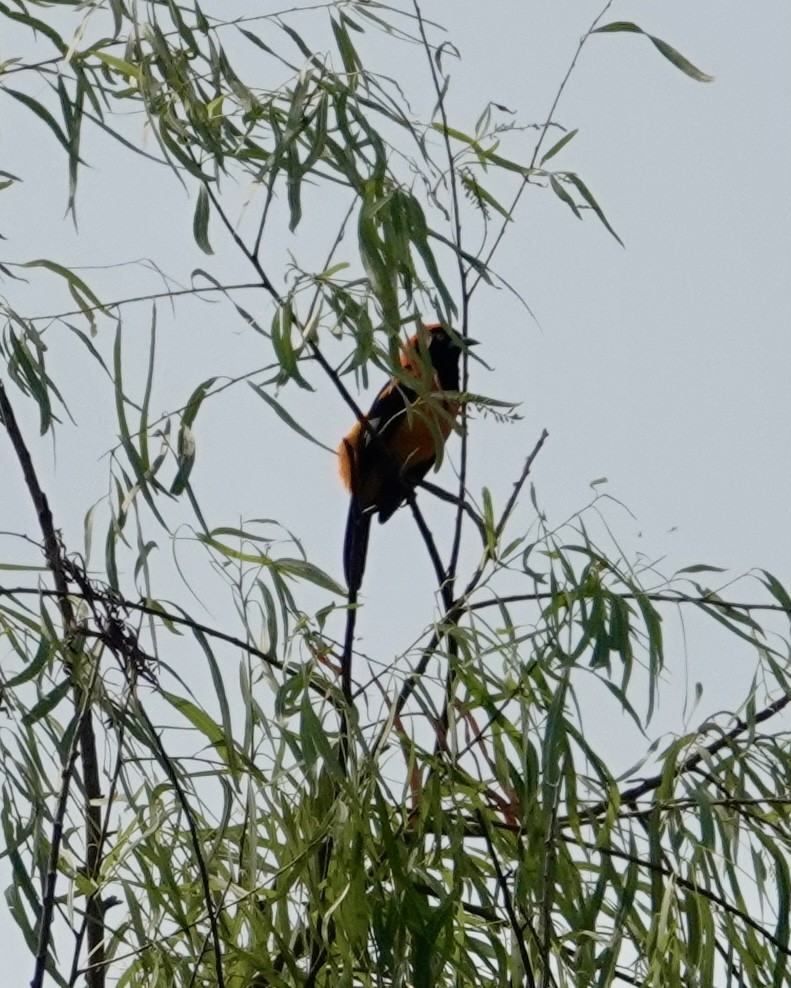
(480, 195)
(30, 376)
(110, 560)
(381, 274)
(72, 110)
(42, 113)
(143, 428)
(185, 451)
(297, 39)
(141, 561)
(667, 50)
(314, 739)
(37, 26)
(186, 440)
(729, 621)
(256, 40)
(458, 135)
(200, 222)
(562, 194)
(222, 700)
(43, 655)
(329, 273)
(559, 145)
(783, 886)
(680, 62)
(489, 523)
(294, 176)
(196, 400)
(778, 591)
(307, 571)
(287, 418)
(80, 292)
(700, 568)
(418, 233)
(126, 69)
(198, 718)
(349, 56)
(587, 195)
(120, 402)
(47, 702)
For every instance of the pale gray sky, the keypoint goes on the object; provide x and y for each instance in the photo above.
(663, 366)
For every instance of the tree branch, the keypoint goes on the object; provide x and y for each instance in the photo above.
(53, 552)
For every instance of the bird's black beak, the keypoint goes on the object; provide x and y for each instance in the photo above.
(468, 344)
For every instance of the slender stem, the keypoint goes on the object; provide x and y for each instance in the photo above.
(449, 576)
(149, 297)
(547, 124)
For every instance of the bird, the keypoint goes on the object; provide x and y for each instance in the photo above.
(392, 447)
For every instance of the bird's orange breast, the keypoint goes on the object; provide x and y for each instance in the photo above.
(414, 439)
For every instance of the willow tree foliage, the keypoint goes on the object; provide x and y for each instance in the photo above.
(188, 797)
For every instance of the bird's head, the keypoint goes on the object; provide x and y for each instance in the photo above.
(443, 349)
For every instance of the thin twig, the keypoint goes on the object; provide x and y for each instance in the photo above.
(694, 887)
(511, 503)
(439, 569)
(151, 296)
(548, 123)
(451, 616)
(466, 507)
(111, 597)
(440, 91)
(444, 720)
(655, 598)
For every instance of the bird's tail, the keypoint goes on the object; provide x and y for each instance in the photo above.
(355, 546)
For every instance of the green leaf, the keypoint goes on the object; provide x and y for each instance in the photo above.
(126, 69)
(198, 718)
(143, 430)
(42, 113)
(587, 195)
(33, 668)
(255, 40)
(560, 145)
(700, 568)
(222, 699)
(562, 194)
(288, 419)
(349, 56)
(47, 702)
(489, 523)
(200, 222)
(80, 292)
(185, 452)
(670, 53)
(680, 62)
(304, 570)
(777, 590)
(37, 26)
(481, 195)
(120, 401)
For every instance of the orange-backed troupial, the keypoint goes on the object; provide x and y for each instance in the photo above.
(383, 457)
